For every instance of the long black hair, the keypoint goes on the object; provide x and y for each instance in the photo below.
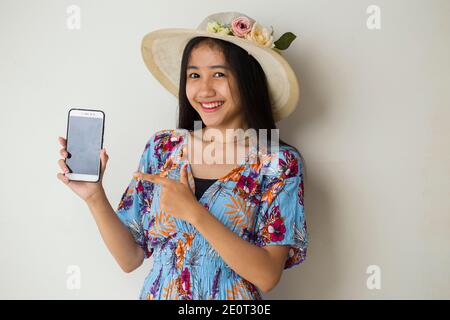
(251, 83)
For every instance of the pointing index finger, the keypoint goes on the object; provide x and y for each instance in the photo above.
(150, 177)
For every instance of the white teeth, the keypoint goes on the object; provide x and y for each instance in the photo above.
(212, 105)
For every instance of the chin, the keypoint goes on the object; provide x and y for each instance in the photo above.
(211, 122)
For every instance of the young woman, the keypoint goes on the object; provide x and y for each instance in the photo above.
(215, 230)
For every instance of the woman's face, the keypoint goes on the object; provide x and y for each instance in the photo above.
(211, 89)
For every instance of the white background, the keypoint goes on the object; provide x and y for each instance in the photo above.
(372, 125)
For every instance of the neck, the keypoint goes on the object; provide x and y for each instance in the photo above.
(224, 135)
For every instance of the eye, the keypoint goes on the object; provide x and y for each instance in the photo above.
(196, 74)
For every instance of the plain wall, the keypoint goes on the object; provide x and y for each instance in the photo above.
(372, 125)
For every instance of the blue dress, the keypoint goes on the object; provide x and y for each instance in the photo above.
(261, 200)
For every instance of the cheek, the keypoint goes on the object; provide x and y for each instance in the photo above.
(224, 90)
(232, 92)
(190, 93)
(233, 96)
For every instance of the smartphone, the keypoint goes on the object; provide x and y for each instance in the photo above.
(84, 139)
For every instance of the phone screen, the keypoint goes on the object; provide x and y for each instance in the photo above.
(84, 142)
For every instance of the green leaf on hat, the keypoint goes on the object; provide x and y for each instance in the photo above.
(285, 41)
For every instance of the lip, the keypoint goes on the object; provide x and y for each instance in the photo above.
(210, 110)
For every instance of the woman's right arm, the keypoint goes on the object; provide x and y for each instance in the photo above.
(117, 237)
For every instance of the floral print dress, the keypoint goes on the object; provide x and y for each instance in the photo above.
(261, 200)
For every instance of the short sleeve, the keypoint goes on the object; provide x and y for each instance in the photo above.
(281, 219)
(136, 201)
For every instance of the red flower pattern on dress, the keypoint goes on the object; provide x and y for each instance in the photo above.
(139, 187)
(277, 230)
(246, 184)
(289, 166)
(184, 285)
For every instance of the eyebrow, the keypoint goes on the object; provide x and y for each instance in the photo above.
(210, 67)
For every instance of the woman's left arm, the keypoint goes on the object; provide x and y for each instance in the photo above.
(262, 266)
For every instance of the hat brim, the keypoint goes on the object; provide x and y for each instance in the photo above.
(162, 52)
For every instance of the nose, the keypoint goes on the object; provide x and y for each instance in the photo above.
(206, 89)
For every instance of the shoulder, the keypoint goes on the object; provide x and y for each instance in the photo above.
(291, 160)
(163, 142)
(284, 162)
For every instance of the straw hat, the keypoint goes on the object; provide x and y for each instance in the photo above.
(162, 51)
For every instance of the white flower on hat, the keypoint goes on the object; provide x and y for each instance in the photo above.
(261, 35)
(215, 27)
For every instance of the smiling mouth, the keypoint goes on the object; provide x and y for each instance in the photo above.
(211, 107)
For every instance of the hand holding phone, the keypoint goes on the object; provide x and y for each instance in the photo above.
(84, 142)
(84, 173)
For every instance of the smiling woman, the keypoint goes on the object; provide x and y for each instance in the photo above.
(222, 86)
(211, 87)
(234, 239)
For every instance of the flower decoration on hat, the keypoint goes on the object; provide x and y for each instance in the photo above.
(249, 29)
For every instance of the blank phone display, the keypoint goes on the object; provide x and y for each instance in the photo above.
(84, 140)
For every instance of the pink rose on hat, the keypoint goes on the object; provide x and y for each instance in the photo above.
(242, 25)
